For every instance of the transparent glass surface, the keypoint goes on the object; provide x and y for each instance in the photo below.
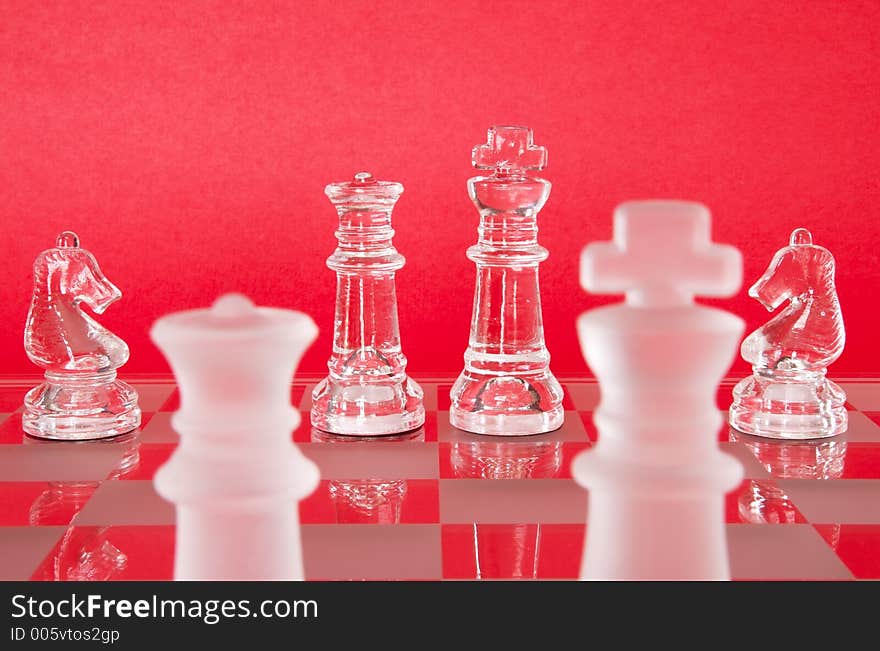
(788, 395)
(84, 553)
(506, 387)
(474, 506)
(763, 501)
(506, 552)
(367, 391)
(81, 397)
(367, 500)
(506, 460)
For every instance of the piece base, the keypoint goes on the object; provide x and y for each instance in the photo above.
(506, 405)
(369, 425)
(787, 409)
(375, 408)
(507, 424)
(80, 411)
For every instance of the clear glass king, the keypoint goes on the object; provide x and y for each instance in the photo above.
(367, 392)
(506, 387)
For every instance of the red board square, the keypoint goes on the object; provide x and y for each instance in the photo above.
(562, 548)
(19, 502)
(444, 402)
(512, 551)
(10, 429)
(567, 402)
(862, 461)
(857, 545)
(173, 402)
(724, 395)
(589, 425)
(12, 396)
(150, 457)
(124, 553)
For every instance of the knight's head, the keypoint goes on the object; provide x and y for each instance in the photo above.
(797, 270)
(70, 271)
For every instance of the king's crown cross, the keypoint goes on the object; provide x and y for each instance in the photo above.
(510, 152)
(661, 256)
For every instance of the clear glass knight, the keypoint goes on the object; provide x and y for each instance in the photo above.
(788, 396)
(81, 397)
(506, 387)
(367, 391)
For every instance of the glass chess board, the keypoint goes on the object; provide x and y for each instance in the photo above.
(434, 504)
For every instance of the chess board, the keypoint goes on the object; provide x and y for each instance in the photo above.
(434, 504)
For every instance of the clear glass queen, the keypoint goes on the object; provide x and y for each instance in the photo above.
(506, 387)
(367, 391)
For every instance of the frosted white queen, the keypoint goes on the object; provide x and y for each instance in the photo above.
(236, 475)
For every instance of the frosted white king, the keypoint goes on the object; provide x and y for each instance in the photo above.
(656, 477)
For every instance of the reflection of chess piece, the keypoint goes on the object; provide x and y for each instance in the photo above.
(506, 460)
(83, 553)
(763, 502)
(367, 501)
(81, 397)
(506, 387)
(657, 477)
(367, 391)
(62, 500)
(788, 395)
(236, 476)
(373, 501)
(507, 551)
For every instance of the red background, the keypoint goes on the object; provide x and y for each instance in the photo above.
(189, 143)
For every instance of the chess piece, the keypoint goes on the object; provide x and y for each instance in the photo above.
(367, 392)
(657, 477)
(81, 397)
(236, 475)
(506, 387)
(788, 396)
